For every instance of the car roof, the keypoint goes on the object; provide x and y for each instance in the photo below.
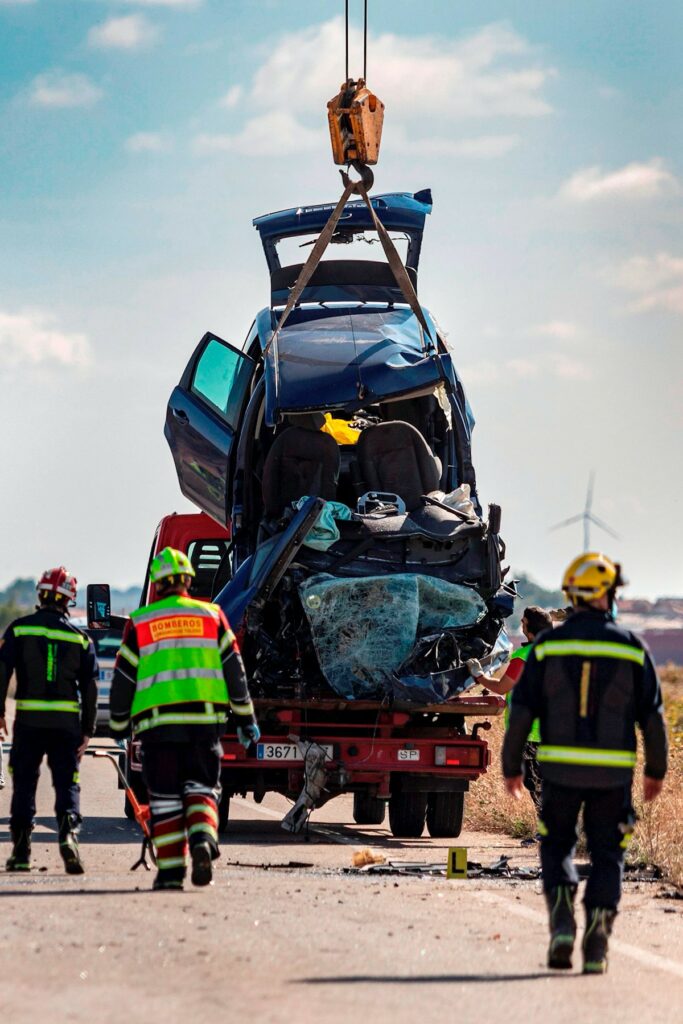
(349, 356)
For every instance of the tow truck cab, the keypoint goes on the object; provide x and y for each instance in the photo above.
(418, 759)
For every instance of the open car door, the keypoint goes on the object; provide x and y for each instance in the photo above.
(202, 420)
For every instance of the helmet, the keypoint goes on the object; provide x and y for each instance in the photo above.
(591, 576)
(58, 581)
(170, 562)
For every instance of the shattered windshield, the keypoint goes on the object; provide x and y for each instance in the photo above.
(364, 630)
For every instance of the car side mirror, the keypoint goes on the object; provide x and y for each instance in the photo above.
(98, 604)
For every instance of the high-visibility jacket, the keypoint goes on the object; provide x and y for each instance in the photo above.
(56, 669)
(173, 668)
(521, 655)
(590, 683)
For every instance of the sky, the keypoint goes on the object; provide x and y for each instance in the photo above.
(138, 138)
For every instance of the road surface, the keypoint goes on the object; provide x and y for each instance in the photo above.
(270, 942)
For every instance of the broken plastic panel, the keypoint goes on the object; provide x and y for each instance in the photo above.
(365, 629)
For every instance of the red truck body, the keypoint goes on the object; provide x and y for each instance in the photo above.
(421, 759)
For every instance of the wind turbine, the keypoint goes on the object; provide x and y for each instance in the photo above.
(587, 517)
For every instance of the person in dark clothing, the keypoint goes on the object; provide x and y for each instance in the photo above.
(56, 701)
(177, 673)
(590, 683)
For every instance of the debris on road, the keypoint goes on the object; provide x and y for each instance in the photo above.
(362, 858)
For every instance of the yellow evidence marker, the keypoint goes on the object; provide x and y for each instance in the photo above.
(456, 865)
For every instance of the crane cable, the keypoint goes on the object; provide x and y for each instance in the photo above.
(365, 40)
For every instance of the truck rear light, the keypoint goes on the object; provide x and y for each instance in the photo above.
(446, 757)
(229, 757)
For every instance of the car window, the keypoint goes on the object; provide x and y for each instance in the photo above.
(221, 377)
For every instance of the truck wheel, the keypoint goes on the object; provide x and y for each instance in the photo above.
(407, 813)
(223, 811)
(368, 809)
(444, 815)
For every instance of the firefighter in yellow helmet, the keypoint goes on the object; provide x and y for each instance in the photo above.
(177, 672)
(590, 683)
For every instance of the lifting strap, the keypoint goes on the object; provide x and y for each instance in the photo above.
(393, 259)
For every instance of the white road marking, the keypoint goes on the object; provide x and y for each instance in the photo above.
(642, 956)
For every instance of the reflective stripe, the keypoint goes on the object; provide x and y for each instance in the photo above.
(171, 862)
(242, 709)
(187, 718)
(174, 643)
(52, 634)
(118, 726)
(172, 604)
(227, 641)
(182, 673)
(203, 827)
(587, 756)
(48, 705)
(168, 837)
(589, 648)
(202, 809)
(126, 653)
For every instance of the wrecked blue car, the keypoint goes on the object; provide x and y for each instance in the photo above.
(337, 450)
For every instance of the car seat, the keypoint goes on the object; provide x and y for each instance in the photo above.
(300, 462)
(395, 458)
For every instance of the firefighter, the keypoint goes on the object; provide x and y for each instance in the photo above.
(534, 621)
(177, 672)
(590, 683)
(56, 701)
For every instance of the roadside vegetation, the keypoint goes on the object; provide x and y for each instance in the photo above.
(658, 838)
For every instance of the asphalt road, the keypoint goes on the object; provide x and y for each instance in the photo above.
(274, 942)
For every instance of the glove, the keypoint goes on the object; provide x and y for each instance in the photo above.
(248, 734)
(475, 668)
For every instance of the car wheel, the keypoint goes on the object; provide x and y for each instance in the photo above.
(444, 815)
(407, 812)
(368, 809)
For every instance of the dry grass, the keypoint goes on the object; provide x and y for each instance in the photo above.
(658, 837)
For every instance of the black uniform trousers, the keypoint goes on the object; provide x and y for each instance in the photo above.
(29, 746)
(604, 810)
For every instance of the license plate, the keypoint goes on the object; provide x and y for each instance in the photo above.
(285, 751)
(106, 675)
(404, 754)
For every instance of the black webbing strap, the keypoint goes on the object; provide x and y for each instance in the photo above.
(321, 244)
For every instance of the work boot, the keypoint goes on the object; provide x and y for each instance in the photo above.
(201, 864)
(562, 927)
(68, 845)
(599, 922)
(163, 883)
(20, 858)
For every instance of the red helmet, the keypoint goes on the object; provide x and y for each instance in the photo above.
(58, 581)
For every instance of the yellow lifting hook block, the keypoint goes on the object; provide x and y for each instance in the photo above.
(355, 116)
(456, 865)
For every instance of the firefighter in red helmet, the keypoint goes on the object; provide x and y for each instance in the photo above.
(56, 704)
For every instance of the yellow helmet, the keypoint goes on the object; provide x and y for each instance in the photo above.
(590, 577)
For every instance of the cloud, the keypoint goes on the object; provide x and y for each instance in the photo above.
(148, 142)
(58, 89)
(277, 133)
(232, 97)
(656, 282)
(429, 84)
(479, 147)
(416, 76)
(545, 365)
(31, 338)
(634, 181)
(131, 32)
(560, 329)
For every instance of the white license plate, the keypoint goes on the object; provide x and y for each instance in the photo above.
(285, 751)
(408, 755)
